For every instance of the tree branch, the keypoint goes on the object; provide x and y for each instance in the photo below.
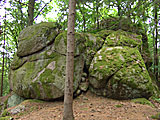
(42, 9)
(21, 2)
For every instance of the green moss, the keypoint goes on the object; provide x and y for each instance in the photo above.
(157, 116)
(43, 27)
(109, 59)
(36, 37)
(35, 100)
(143, 101)
(6, 118)
(48, 90)
(17, 62)
(5, 113)
(121, 70)
(36, 88)
(46, 76)
(123, 23)
(50, 56)
(5, 103)
(60, 37)
(122, 38)
(119, 105)
(104, 33)
(60, 43)
(157, 99)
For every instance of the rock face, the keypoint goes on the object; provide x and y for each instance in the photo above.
(38, 69)
(118, 70)
(110, 58)
(14, 100)
(36, 37)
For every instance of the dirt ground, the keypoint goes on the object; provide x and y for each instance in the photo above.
(88, 107)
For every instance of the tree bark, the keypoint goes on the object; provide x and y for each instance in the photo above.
(156, 42)
(2, 77)
(119, 7)
(84, 20)
(68, 94)
(97, 12)
(31, 12)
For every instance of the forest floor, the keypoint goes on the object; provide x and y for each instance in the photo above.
(88, 107)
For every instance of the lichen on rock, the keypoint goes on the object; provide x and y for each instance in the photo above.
(36, 37)
(40, 72)
(110, 58)
(42, 76)
(120, 73)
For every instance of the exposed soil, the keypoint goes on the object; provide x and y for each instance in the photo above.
(88, 107)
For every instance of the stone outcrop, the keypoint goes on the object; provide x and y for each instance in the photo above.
(120, 73)
(118, 70)
(38, 69)
(108, 62)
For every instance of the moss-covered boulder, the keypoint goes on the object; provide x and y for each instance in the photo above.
(125, 24)
(40, 72)
(122, 38)
(42, 76)
(110, 58)
(120, 73)
(36, 37)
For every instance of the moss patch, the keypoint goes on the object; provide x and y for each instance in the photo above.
(119, 105)
(122, 38)
(121, 73)
(6, 118)
(36, 37)
(143, 101)
(157, 116)
(5, 113)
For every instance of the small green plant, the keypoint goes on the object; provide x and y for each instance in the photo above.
(157, 99)
(143, 101)
(5, 113)
(157, 116)
(6, 118)
(119, 105)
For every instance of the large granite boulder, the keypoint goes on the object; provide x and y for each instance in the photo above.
(111, 60)
(35, 38)
(123, 23)
(39, 72)
(118, 70)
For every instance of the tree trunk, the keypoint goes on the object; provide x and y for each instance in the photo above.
(84, 20)
(31, 12)
(3, 57)
(97, 12)
(68, 94)
(156, 42)
(119, 7)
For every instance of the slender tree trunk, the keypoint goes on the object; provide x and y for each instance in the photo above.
(119, 7)
(97, 12)
(119, 13)
(84, 20)
(3, 55)
(153, 36)
(129, 7)
(3, 62)
(31, 12)
(156, 42)
(68, 94)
